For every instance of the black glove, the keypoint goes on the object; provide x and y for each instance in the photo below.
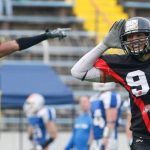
(57, 33)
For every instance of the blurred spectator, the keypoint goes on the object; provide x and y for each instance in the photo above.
(42, 129)
(105, 108)
(80, 139)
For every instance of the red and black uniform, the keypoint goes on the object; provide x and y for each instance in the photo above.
(134, 75)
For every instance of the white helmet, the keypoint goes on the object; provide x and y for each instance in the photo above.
(33, 104)
(104, 86)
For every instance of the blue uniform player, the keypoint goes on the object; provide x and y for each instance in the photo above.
(105, 107)
(99, 117)
(80, 139)
(41, 119)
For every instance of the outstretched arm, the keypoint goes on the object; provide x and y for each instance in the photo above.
(111, 111)
(9, 47)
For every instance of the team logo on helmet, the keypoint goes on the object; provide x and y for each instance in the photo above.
(131, 25)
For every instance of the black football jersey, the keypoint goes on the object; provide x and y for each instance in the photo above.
(134, 75)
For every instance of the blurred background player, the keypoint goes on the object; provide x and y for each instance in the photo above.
(99, 117)
(42, 129)
(105, 108)
(80, 139)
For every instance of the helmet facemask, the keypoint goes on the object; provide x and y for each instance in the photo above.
(140, 28)
(137, 47)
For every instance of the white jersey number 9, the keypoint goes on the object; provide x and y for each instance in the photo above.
(138, 82)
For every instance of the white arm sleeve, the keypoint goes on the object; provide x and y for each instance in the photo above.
(84, 69)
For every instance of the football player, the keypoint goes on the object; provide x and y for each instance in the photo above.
(42, 128)
(99, 120)
(22, 43)
(105, 107)
(131, 70)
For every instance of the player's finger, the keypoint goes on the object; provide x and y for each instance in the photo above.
(121, 24)
(112, 27)
(118, 24)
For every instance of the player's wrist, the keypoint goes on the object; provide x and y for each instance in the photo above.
(53, 34)
(50, 35)
(49, 141)
(103, 46)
